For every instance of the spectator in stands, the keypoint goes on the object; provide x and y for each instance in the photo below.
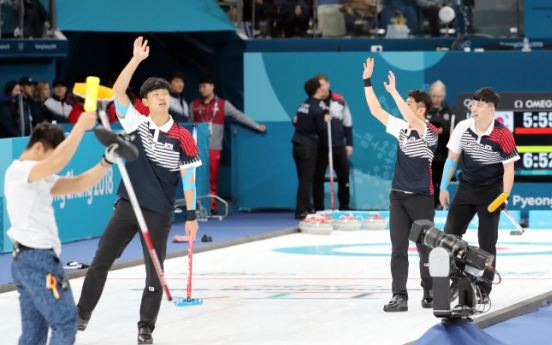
(33, 20)
(295, 15)
(408, 10)
(78, 108)
(463, 21)
(440, 115)
(41, 92)
(10, 121)
(355, 10)
(178, 108)
(57, 107)
(430, 10)
(264, 11)
(27, 87)
(32, 108)
(213, 110)
(12, 88)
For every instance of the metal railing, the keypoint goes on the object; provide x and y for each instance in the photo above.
(20, 109)
(360, 25)
(19, 17)
(21, 114)
(53, 16)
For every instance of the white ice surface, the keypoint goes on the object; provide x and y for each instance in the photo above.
(254, 295)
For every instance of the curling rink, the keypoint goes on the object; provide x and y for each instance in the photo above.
(294, 289)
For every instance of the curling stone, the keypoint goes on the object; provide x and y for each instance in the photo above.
(306, 223)
(376, 222)
(320, 226)
(348, 222)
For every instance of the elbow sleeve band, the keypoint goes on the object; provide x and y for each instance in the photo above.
(446, 173)
(190, 185)
(120, 109)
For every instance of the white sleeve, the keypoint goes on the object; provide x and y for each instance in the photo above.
(24, 168)
(347, 118)
(394, 126)
(131, 118)
(23, 171)
(186, 110)
(455, 141)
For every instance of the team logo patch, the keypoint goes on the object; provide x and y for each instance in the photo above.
(169, 146)
(488, 148)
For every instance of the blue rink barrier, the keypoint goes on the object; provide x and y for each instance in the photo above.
(439, 220)
(86, 214)
(540, 220)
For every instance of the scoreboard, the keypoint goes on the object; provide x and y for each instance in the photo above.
(529, 117)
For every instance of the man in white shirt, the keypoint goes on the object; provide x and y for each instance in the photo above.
(488, 153)
(46, 300)
(411, 196)
(167, 155)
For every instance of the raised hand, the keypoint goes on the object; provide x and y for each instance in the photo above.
(141, 49)
(368, 68)
(87, 120)
(391, 86)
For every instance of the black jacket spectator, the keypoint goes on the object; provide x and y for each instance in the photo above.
(441, 118)
(264, 11)
(295, 14)
(30, 105)
(10, 121)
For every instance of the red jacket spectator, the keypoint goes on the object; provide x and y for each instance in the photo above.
(75, 113)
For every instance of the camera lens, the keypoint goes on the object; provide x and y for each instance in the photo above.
(456, 246)
(433, 237)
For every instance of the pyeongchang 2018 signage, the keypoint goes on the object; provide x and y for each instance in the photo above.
(530, 201)
(526, 196)
(37, 48)
(80, 215)
(85, 214)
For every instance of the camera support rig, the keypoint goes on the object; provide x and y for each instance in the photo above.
(450, 252)
(440, 270)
